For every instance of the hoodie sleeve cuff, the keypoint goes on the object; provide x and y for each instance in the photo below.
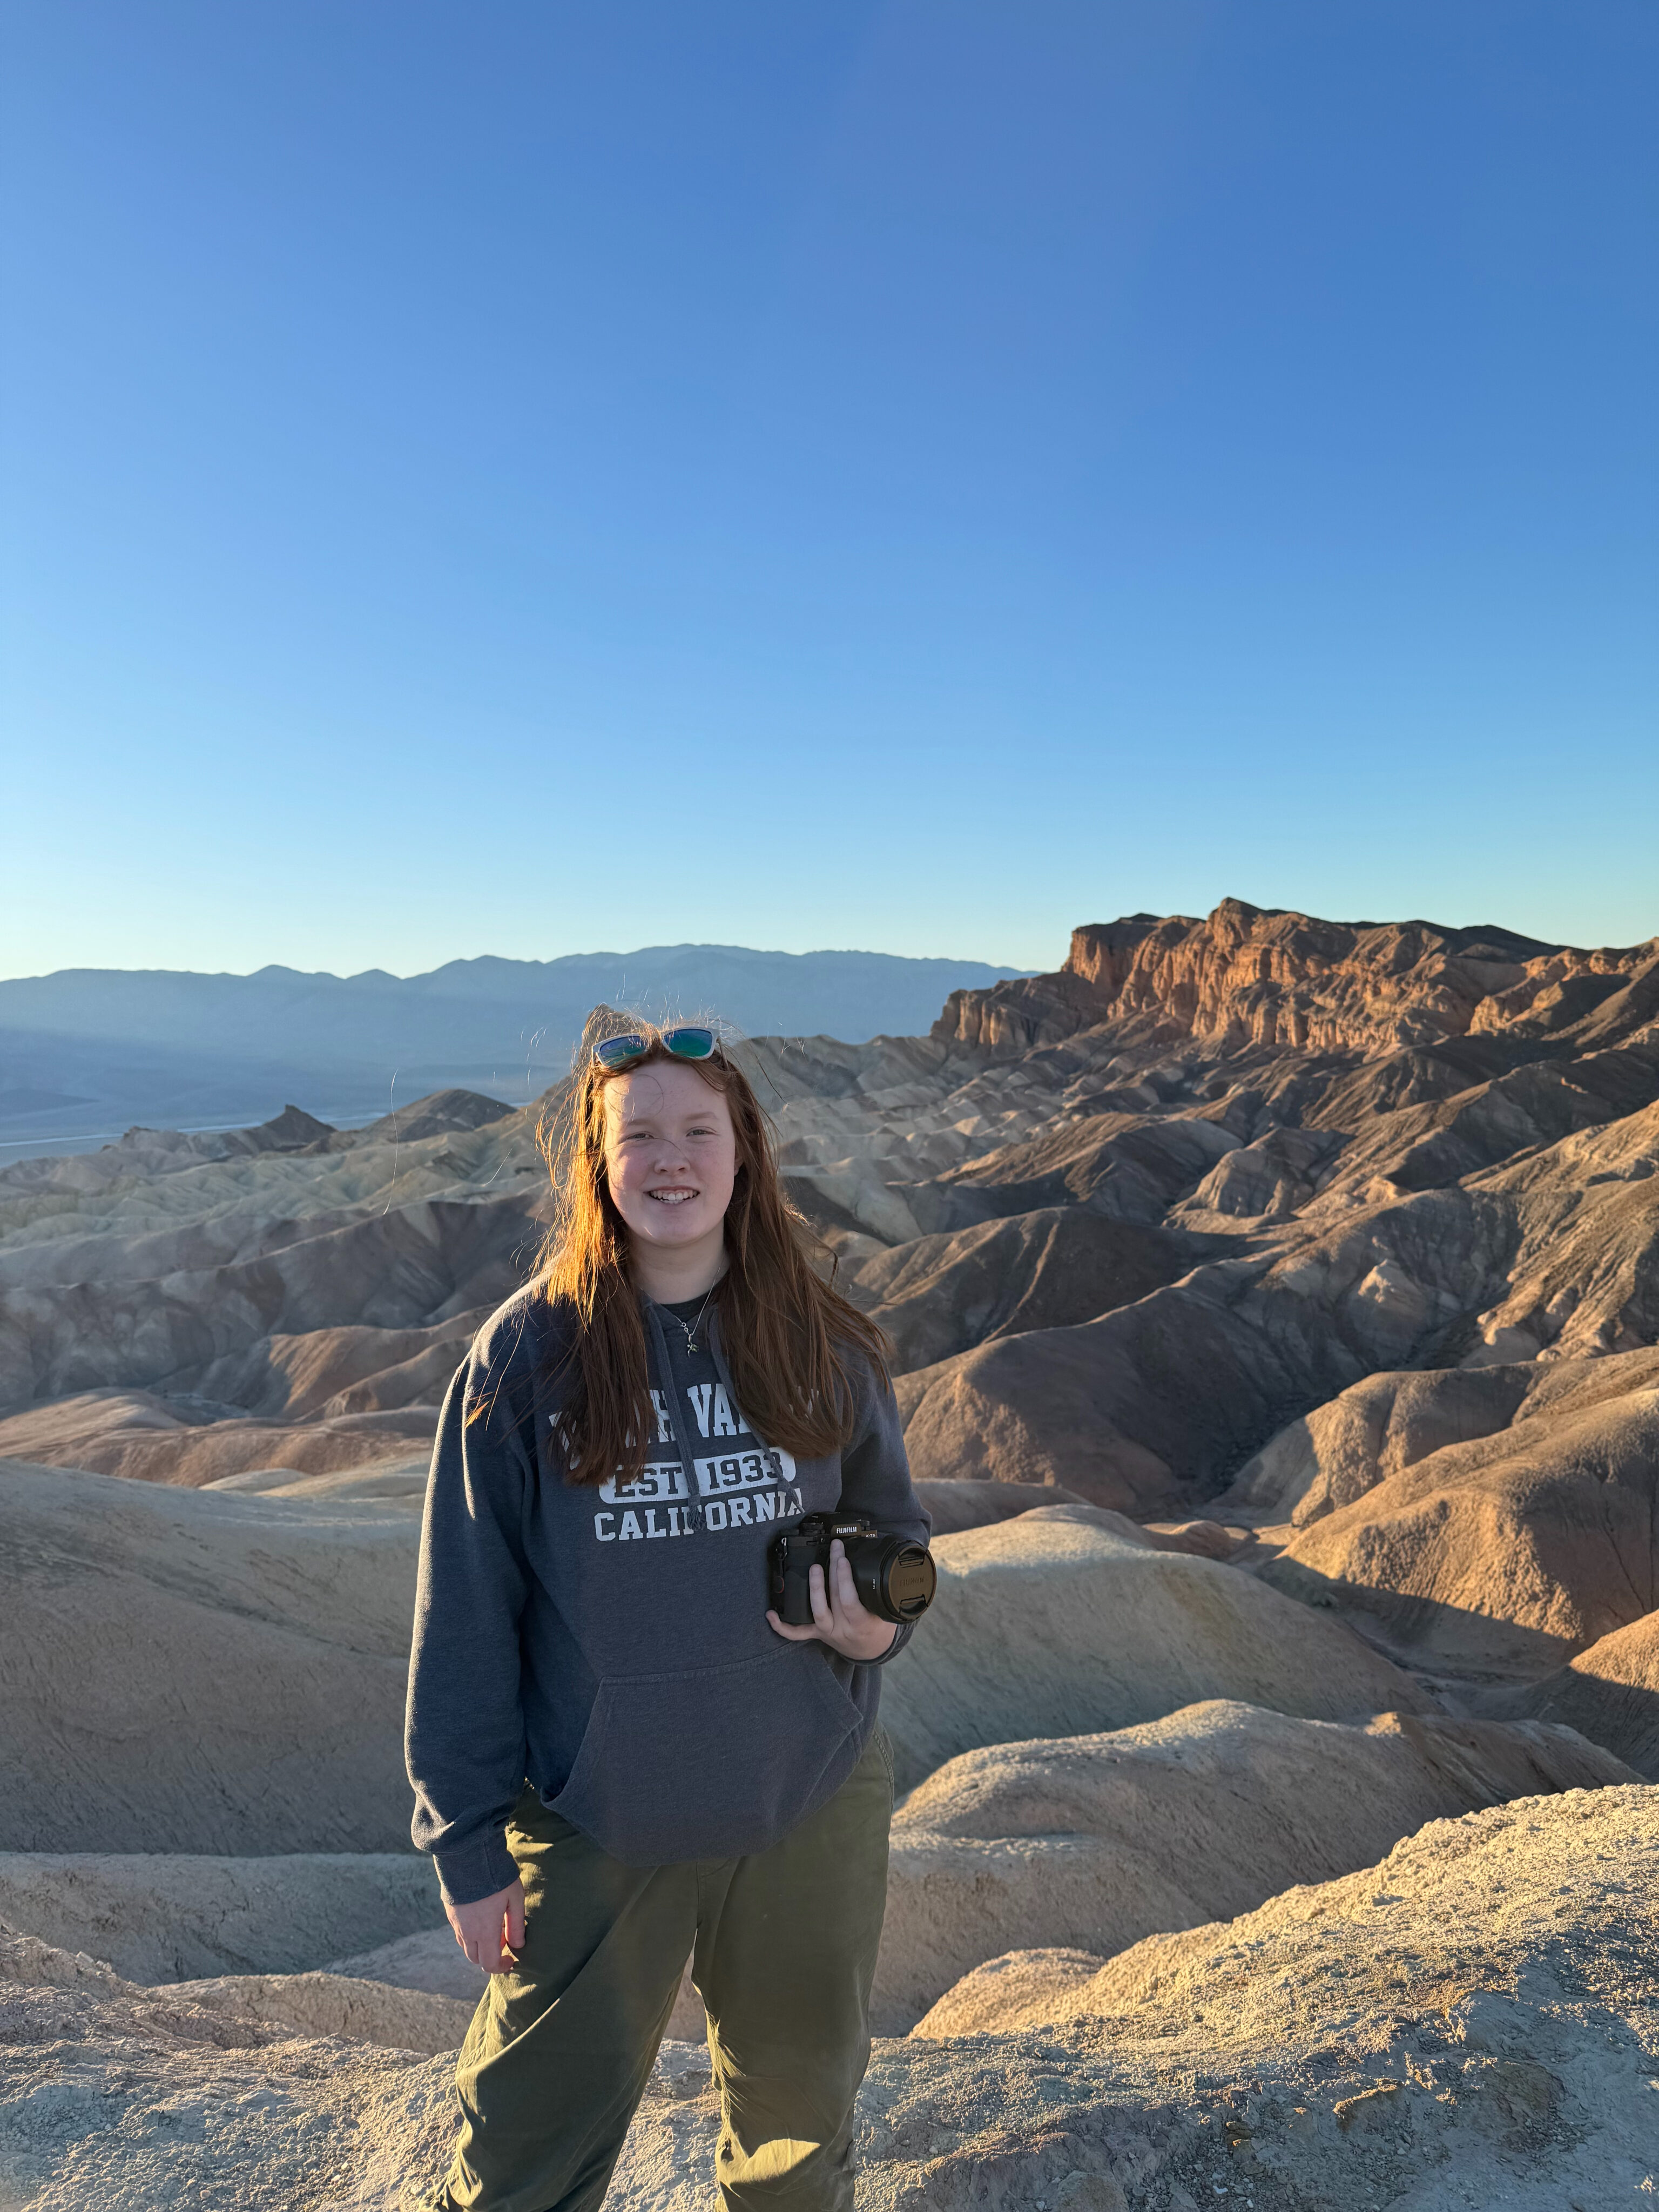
(902, 1636)
(475, 1869)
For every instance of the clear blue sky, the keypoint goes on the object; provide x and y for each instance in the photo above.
(534, 477)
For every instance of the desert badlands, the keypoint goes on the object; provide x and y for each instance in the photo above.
(1275, 1306)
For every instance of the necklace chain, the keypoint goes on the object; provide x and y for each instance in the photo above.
(691, 1328)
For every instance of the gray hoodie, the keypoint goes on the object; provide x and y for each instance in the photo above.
(611, 1644)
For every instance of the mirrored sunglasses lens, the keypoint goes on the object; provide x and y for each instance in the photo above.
(612, 1051)
(689, 1044)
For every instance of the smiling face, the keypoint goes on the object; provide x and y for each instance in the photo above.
(670, 1158)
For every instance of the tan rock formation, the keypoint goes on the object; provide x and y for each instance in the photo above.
(149, 1265)
(147, 1439)
(400, 1482)
(360, 2010)
(1140, 1409)
(1363, 1221)
(1152, 1406)
(111, 2091)
(1392, 1420)
(954, 1506)
(1208, 1539)
(1509, 1552)
(1095, 1841)
(172, 1916)
(1513, 1114)
(938, 1295)
(1098, 1840)
(1584, 1279)
(1119, 1164)
(280, 1318)
(1469, 2023)
(1416, 1929)
(402, 1268)
(1253, 976)
(430, 1960)
(1333, 1206)
(189, 1670)
(1610, 1693)
(1066, 1620)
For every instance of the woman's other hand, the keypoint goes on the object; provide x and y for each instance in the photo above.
(838, 1618)
(491, 1930)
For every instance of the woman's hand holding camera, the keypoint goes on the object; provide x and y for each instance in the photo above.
(491, 1930)
(838, 1618)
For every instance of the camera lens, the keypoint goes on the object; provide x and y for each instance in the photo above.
(910, 1581)
(894, 1579)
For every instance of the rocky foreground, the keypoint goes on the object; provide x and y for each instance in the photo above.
(1276, 1313)
(1472, 2023)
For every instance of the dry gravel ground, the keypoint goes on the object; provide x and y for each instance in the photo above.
(1472, 2024)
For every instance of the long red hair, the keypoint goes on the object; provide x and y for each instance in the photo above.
(787, 1333)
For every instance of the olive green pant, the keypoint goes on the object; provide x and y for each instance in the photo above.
(783, 1952)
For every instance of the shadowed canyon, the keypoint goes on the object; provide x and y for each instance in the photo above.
(1275, 1313)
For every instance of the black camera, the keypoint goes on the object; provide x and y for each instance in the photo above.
(894, 1577)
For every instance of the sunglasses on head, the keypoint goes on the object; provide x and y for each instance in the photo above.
(684, 1045)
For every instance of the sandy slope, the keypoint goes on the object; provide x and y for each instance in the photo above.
(198, 1671)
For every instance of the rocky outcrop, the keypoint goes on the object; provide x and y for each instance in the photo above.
(1392, 1420)
(1130, 1411)
(1149, 1407)
(1509, 1552)
(1413, 1936)
(1096, 1841)
(439, 1114)
(293, 1130)
(1119, 1260)
(1260, 976)
(1156, 1406)
(258, 1278)
(401, 1268)
(119, 2096)
(148, 1153)
(1276, 1222)
(1583, 1278)
(1371, 1430)
(1119, 1164)
(1434, 1144)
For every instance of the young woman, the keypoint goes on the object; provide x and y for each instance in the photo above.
(620, 1755)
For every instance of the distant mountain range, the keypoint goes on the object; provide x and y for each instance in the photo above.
(85, 1051)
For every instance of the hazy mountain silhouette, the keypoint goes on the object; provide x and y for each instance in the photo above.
(87, 1051)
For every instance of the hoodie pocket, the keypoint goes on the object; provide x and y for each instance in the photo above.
(715, 1764)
